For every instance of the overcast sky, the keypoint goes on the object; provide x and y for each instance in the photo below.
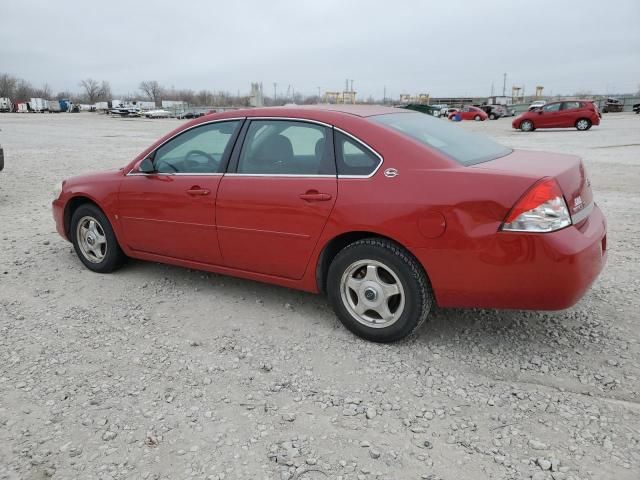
(450, 47)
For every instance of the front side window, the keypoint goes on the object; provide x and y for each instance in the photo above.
(284, 147)
(464, 147)
(553, 107)
(353, 158)
(198, 150)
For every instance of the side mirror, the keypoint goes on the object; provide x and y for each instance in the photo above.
(146, 166)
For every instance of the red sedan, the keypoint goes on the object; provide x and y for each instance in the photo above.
(469, 113)
(388, 211)
(580, 114)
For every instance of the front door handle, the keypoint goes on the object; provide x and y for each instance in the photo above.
(314, 196)
(195, 191)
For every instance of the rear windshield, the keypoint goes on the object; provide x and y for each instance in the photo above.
(454, 141)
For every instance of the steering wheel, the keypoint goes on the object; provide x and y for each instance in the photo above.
(169, 165)
(200, 153)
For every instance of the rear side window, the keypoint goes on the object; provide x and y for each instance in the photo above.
(464, 147)
(571, 105)
(353, 158)
(281, 147)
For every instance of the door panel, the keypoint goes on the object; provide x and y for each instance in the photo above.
(550, 116)
(273, 207)
(171, 215)
(270, 224)
(170, 211)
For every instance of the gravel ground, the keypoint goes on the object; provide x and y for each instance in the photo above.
(158, 372)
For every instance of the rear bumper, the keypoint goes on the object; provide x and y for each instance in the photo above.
(521, 271)
(57, 208)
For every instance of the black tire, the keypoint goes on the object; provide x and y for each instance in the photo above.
(113, 255)
(477, 118)
(583, 124)
(527, 126)
(492, 116)
(418, 297)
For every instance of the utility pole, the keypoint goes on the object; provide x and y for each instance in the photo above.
(384, 95)
(319, 96)
(504, 85)
(492, 90)
(275, 92)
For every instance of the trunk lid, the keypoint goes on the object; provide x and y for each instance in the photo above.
(567, 170)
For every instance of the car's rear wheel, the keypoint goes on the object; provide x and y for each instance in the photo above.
(583, 124)
(526, 126)
(378, 290)
(492, 116)
(94, 241)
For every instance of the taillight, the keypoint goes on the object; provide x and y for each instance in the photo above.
(541, 209)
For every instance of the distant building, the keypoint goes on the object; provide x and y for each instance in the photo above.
(256, 99)
(499, 100)
(173, 104)
(421, 98)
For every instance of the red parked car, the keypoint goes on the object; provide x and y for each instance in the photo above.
(581, 114)
(388, 211)
(470, 113)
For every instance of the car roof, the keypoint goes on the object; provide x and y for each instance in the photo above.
(357, 110)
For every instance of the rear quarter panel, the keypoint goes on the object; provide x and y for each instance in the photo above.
(436, 212)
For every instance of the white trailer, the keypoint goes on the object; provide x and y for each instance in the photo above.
(38, 105)
(5, 104)
(145, 105)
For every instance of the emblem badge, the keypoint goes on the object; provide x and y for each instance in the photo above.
(391, 172)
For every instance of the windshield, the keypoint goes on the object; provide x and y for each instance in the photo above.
(462, 146)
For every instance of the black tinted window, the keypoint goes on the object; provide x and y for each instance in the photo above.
(454, 141)
(353, 158)
(199, 150)
(282, 147)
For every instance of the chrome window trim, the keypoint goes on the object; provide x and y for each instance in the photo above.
(368, 148)
(174, 136)
(294, 119)
(178, 174)
(286, 175)
(582, 214)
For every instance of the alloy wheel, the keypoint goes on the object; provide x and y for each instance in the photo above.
(91, 239)
(372, 293)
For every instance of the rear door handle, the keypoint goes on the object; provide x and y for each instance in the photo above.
(198, 191)
(315, 196)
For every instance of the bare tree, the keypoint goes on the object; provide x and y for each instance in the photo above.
(44, 92)
(7, 85)
(105, 91)
(23, 90)
(91, 89)
(64, 95)
(152, 89)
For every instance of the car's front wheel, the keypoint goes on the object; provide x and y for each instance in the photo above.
(378, 290)
(492, 116)
(477, 118)
(94, 241)
(583, 124)
(526, 126)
